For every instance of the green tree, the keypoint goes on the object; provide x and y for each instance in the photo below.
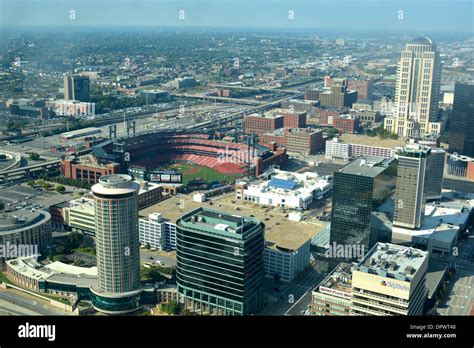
(171, 307)
(60, 189)
(34, 156)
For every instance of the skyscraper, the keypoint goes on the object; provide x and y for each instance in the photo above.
(417, 90)
(461, 131)
(117, 244)
(220, 262)
(434, 174)
(77, 87)
(410, 197)
(359, 189)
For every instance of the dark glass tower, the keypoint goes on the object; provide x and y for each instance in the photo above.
(220, 262)
(461, 129)
(359, 189)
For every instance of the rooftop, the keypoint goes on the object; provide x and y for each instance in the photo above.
(442, 222)
(219, 222)
(55, 272)
(421, 41)
(22, 220)
(339, 281)
(278, 229)
(370, 141)
(370, 166)
(115, 184)
(393, 261)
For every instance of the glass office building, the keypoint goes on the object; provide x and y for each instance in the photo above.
(359, 189)
(220, 262)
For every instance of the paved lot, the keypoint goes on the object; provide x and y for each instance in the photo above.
(168, 258)
(25, 194)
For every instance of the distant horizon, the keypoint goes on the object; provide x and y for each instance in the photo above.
(445, 16)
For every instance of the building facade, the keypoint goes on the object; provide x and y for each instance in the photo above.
(417, 90)
(24, 231)
(434, 174)
(461, 139)
(390, 280)
(339, 96)
(87, 168)
(333, 295)
(410, 197)
(358, 189)
(117, 244)
(220, 262)
(77, 87)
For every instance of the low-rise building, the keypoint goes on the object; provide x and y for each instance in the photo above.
(286, 190)
(87, 168)
(24, 232)
(157, 232)
(353, 146)
(346, 123)
(333, 295)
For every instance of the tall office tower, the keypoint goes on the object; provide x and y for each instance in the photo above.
(117, 245)
(434, 174)
(417, 90)
(410, 197)
(461, 131)
(390, 280)
(359, 189)
(77, 87)
(220, 267)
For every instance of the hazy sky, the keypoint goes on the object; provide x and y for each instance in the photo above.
(417, 15)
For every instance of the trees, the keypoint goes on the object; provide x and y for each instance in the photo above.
(60, 189)
(34, 156)
(171, 307)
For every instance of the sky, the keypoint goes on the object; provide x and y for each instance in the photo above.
(367, 15)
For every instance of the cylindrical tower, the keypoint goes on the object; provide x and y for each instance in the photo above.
(117, 245)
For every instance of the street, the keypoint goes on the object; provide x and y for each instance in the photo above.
(460, 295)
(295, 297)
(13, 302)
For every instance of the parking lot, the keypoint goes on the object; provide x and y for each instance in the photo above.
(23, 196)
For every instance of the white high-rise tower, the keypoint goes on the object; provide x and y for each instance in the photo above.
(417, 90)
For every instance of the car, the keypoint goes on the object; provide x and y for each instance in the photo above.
(161, 263)
(150, 257)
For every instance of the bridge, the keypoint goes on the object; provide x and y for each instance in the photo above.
(14, 174)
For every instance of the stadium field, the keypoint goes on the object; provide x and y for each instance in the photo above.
(194, 171)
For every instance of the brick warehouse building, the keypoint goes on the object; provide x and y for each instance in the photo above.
(259, 124)
(87, 168)
(273, 120)
(304, 141)
(346, 124)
